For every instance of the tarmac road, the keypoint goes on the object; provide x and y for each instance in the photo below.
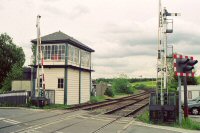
(22, 120)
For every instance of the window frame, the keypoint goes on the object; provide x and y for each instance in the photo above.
(54, 52)
(60, 83)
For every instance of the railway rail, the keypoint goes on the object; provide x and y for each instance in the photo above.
(126, 110)
(122, 107)
(93, 106)
(111, 105)
(125, 107)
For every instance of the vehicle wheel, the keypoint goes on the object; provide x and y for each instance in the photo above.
(195, 111)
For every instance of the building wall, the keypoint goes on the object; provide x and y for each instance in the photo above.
(59, 97)
(73, 87)
(21, 85)
(51, 80)
(85, 87)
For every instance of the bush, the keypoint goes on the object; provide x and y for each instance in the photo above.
(122, 85)
(109, 92)
(172, 86)
(198, 79)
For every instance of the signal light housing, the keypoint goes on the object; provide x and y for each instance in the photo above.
(184, 65)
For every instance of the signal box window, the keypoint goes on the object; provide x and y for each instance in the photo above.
(60, 83)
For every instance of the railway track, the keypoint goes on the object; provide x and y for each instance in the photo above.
(122, 107)
(129, 109)
(76, 108)
(108, 102)
(125, 107)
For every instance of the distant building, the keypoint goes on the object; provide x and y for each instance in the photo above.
(193, 92)
(98, 89)
(24, 82)
(67, 68)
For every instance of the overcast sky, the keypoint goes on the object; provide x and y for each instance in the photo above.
(122, 32)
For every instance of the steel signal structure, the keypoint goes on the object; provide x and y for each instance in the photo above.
(165, 26)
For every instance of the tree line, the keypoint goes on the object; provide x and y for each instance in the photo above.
(12, 59)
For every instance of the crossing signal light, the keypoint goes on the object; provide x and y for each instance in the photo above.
(190, 65)
(183, 65)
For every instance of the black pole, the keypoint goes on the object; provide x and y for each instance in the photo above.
(185, 98)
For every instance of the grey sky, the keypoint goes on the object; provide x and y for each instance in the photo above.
(122, 32)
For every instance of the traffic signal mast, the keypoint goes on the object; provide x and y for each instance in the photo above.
(183, 67)
(165, 26)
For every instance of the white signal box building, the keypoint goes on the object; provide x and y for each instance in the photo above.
(67, 68)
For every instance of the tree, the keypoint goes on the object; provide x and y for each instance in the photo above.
(122, 85)
(172, 79)
(12, 59)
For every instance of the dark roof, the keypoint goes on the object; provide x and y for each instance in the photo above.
(60, 37)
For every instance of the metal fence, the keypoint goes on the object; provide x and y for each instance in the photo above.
(15, 98)
(50, 94)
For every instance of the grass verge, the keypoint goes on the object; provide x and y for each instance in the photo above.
(144, 117)
(96, 99)
(189, 124)
(186, 123)
(52, 106)
(145, 84)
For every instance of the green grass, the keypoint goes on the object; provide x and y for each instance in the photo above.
(189, 124)
(119, 95)
(147, 84)
(96, 99)
(144, 117)
(186, 123)
(198, 79)
(52, 106)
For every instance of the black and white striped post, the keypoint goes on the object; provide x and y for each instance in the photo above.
(183, 67)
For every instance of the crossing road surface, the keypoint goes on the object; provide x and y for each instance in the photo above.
(22, 120)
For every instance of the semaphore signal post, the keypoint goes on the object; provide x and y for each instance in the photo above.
(163, 105)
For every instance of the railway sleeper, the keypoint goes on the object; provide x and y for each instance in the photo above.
(124, 106)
